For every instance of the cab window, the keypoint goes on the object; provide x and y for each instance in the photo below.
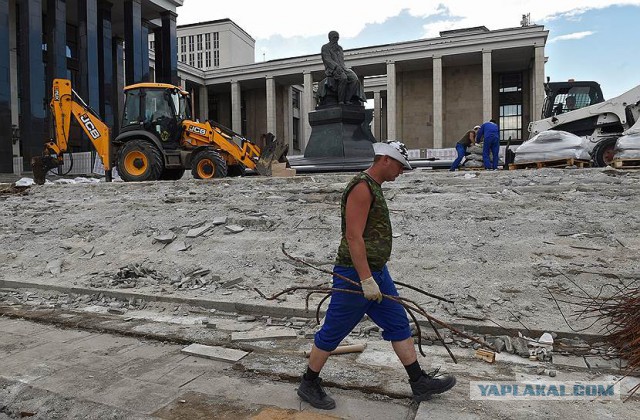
(132, 108)
(156, 105)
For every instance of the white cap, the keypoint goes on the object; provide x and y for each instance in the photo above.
(393, 149)
(476, 127)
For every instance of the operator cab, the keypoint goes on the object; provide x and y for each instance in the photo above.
(562, 97)
(157, 108)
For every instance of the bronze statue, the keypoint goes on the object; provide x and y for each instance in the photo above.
(349, 90)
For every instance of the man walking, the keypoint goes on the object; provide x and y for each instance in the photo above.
(364, 250)
(491, 134)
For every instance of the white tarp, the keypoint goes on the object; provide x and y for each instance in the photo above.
(552, 145)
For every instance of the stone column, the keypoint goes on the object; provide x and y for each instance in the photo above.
(487, 106)
(88, 85)
(33, 132)
(169, 48)
(133, 41)
(308, 105)
(391, 101)
(13, 72)
(538, 80)
(105, 62)
(377, 115)
(6, 143)
(144, 49)
(287, 115)
(437, 103)
(271, 106)
(56, 39)
(204, 103)
(117, 90)
(236, 107)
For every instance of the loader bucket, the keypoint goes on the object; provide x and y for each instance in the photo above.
(40, 165)
(275, 150)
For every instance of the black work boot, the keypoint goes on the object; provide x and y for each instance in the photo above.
(313, 393)
(429, 384)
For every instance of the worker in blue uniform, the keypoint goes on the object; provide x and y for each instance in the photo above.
(491, 144)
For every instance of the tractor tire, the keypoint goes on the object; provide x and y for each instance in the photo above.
(235, 170)
(603, 152)
(173, 174)
(208, 164)
(140, 160)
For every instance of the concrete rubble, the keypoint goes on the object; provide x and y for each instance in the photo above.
(180, 263)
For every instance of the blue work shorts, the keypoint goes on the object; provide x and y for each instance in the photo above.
(346, 310)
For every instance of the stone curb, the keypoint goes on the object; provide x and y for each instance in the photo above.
(258, 309)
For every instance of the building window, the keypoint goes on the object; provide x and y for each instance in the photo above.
(207, 56)
(296, 133)
(295, 100)
(191, 38)
(207, 41)
(183, 58)
(199, 60)
(199, 42)
(216, 59)
(510, 105)
(151, 45)
(191, 59)
(216, 40)
(183, 44)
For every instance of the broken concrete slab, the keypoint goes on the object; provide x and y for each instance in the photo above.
(220, 220)
(268, 334)
(596, 363)
(219, 353)
(234, 228)
(194, 233)
(573, 361)
(165, 238)
(520, 346)
(178, 247)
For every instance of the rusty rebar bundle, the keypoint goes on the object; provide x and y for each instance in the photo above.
(409, 305)
(618, 316)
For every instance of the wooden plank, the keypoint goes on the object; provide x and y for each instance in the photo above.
(626, 163)
(556, 163)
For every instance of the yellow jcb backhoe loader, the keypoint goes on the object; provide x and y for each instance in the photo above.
(158, 138)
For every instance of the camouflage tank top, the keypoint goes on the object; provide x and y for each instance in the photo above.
(377, 232)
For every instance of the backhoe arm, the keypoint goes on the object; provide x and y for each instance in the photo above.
(64, 103)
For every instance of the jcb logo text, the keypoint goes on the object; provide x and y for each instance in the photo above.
(90, 126)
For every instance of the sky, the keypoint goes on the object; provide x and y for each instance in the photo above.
(588, 39)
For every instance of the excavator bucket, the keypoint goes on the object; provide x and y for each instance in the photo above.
(40, 165)
(275, 150)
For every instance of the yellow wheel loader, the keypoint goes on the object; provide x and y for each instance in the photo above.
(158, 138)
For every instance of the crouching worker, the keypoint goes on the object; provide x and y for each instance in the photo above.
(364, 250)
(462, 145)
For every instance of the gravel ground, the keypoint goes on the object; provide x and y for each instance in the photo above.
(494, 242)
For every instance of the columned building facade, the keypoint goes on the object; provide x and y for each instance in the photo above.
(426, 92)
(98, 44)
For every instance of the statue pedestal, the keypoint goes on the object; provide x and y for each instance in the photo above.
(339, 131)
